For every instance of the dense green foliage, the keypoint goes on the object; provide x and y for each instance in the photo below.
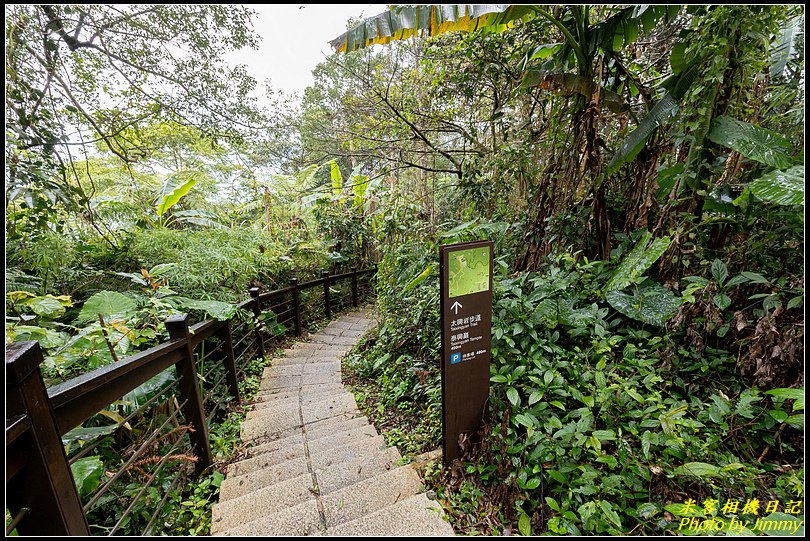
(668, 368)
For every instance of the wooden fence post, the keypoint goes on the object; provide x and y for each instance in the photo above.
(230, 361)
(326, 300)
(257, 311)
(296, 305)
(190, 393)
(354, 287)
(47, 489)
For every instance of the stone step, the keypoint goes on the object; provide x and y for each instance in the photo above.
(416, 516)
(335, 341)
(282, 382)
(293, 402)
(273, 422)
(327, 427)
(325, 455)
(291, 416)
(341, 475)
(270, 454)
(338, 422)
(301, 519)
(329, 479)
(369, 495)
(282, 400)
(261, 502)
(264, 459)
(339, 439)
(330, 407)
(335, 425)
(312, 365)
(269, 396)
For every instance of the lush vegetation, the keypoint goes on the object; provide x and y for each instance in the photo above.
(640, 170)
(648, 322)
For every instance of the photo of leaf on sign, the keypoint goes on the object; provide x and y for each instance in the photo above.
(468, 271)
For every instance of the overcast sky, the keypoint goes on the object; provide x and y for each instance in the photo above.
(294, 39)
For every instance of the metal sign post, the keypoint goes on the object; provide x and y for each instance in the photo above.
(466, 319)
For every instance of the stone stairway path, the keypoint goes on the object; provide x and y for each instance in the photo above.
(318, 467)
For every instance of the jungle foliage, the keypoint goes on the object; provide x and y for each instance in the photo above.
(641, 173)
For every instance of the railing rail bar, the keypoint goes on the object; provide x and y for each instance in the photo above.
(16, 520)
(123, 469)
(126, 419)
(161, 504)
(146, 485)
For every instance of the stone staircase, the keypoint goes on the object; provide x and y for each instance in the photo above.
(318, 467)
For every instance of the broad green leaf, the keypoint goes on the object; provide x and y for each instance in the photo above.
(698, 469)
(785, 44)
(754, 278)
(796, 421)
(544, 51)
(635, 395)
(641, 258)
(162, 269)
(782, 524)
(605, 435)
(557, 476)
(637, 139)
(199, 217)
(532, 483)
(722, 301)
(176, 186)
(647, 510)
(646, 440)
(677, 85)
(216, 309)
(420, 278)
(458, 229)
(85, 434)
(754, 142)
(792, 394)
(525, 525)
(47, 306)
(47, 338)
(525, 420)
(784, 187)
(87, 474)
(719, 271)
(683, 510)
(109, 304)
(142, 393)
(653, 304)
(607, 509)
(402, 22)
(513, 396)
(337, 179)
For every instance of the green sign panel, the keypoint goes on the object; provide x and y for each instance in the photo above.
(468, 271)
(466, 318)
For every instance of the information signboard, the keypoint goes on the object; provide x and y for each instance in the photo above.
(466, 319)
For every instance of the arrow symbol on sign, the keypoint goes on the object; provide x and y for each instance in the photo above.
(456, 306)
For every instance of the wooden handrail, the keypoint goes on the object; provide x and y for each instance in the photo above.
(69, 404)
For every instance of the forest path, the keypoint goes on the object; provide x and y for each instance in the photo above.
(318, 467)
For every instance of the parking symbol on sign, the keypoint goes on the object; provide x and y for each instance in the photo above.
(455, 358)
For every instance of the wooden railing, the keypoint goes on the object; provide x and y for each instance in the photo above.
(41, 494)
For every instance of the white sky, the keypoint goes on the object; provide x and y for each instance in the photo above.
(294, 39)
